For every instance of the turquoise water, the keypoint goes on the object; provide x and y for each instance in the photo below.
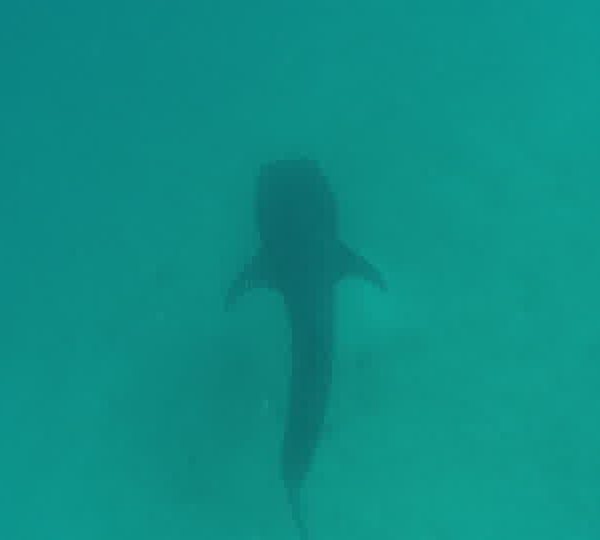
(462, 142)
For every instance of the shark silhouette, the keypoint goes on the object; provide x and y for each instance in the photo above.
(302, 257)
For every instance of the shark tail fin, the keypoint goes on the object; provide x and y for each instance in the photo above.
(252, 276)
(354, 265)
(297, 516)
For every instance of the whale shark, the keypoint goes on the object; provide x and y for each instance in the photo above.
(302, 257)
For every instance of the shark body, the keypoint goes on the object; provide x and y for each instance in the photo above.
(302, 257)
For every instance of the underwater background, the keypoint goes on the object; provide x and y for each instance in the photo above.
(461, 139)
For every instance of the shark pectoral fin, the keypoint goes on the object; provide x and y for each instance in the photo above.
(253, 276)
(356, 265)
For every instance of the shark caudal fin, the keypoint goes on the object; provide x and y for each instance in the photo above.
(297, 516)
(354, 265)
